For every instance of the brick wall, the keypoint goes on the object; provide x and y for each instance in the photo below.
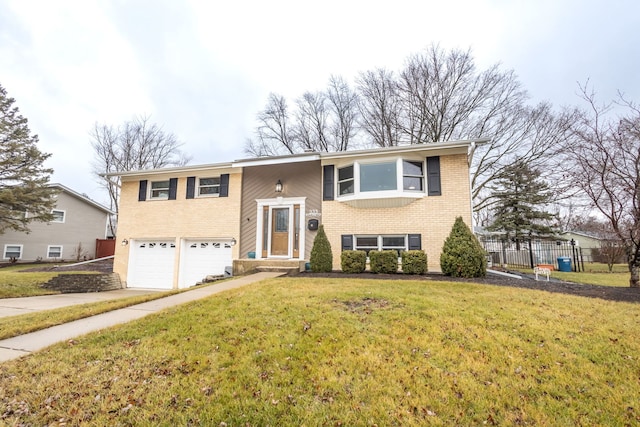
(432, 217)
(206, 217)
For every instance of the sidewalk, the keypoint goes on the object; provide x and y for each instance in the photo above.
(13, 348)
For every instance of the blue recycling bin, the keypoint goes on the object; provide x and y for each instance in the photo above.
(564, 263)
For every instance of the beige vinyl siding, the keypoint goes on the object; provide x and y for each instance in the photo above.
(83, 224)
(302, 179)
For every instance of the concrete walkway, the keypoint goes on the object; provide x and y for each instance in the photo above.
(13, 348)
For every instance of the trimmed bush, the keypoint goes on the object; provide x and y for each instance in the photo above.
(383, 262)
(414, 262)
(462, 255)
(353, 261)
(321, 258)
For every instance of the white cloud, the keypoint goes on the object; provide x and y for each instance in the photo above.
(203, 69)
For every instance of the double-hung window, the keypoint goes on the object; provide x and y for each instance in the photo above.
(159, 190)
(209, 186)
(58, 215)
(12, 251)
(346, 182)
(54, 251)
(412, 176)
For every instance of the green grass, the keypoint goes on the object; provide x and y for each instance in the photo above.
(312, 352)
(594, 274)
(25, 323)
(15, 283)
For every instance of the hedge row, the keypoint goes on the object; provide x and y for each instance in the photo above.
(384, 262)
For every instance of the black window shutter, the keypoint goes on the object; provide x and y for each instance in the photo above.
(142, 191)
(191, 187)
(415, 242)
(224, 185)
(173, 188)
(327, 193)
(347, 242)
(433, 176)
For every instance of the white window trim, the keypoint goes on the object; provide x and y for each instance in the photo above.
(197, 189)
(4, 254)
(380, 246)
(64, 216)
(399, 192)
(151, 189)
(281, 202)
(54, 246)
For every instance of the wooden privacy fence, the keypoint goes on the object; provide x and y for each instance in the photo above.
(105, 247)
(528, 253)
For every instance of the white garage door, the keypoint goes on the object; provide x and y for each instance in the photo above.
(201, 258)
(151, 264)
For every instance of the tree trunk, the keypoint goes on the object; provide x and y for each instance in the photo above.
(634, 269)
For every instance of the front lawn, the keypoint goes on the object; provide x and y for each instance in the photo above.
(294, 351)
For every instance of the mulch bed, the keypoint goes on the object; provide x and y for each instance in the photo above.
(105, 266)
(591, 291)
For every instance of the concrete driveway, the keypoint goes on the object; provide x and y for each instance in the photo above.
(16, 306)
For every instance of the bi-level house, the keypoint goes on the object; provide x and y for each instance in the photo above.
(178, 225)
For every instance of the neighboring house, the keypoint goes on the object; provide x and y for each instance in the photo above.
(178, 225)
(587, 242)
(77, 222)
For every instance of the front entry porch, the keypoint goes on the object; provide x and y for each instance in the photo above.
(250, 266)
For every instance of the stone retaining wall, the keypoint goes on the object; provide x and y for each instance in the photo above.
(80, 283)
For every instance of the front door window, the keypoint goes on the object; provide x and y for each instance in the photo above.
(280, 234)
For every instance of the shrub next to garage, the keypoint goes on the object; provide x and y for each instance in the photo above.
(353, 261)
(414, 262)
(384, 262)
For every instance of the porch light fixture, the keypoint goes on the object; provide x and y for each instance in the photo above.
(279, 186)
(233, 241)
(125, 242)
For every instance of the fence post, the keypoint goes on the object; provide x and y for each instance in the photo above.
(531, 254)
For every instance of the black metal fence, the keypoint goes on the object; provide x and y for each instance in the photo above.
(529, 253)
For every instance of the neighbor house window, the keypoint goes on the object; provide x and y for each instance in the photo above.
(209, 186)
(160, 190)
(345, 180)
(54, 251)
(412, 176)
(12, 251)
(58, 216)
(378, 176)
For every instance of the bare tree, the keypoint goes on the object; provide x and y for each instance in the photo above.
(274, 130)
(607, 165)
(379, 107)
(134, 145)
(343, 105)
(312, 122)
(443, 98)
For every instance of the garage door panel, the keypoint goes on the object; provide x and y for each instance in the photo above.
(202, 258)
(151, 264)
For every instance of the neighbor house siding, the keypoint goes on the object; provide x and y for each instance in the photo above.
(83, 224)
(431, 216)
(302, 179)
(200, 217)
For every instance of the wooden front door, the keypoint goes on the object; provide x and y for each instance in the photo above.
(280, 231)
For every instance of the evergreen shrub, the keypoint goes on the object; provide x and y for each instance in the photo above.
(462, 255)
(321, 258)
(414, 262)
(383, 262)
(353, 261)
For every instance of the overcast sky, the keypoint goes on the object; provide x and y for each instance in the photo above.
(203, 69)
